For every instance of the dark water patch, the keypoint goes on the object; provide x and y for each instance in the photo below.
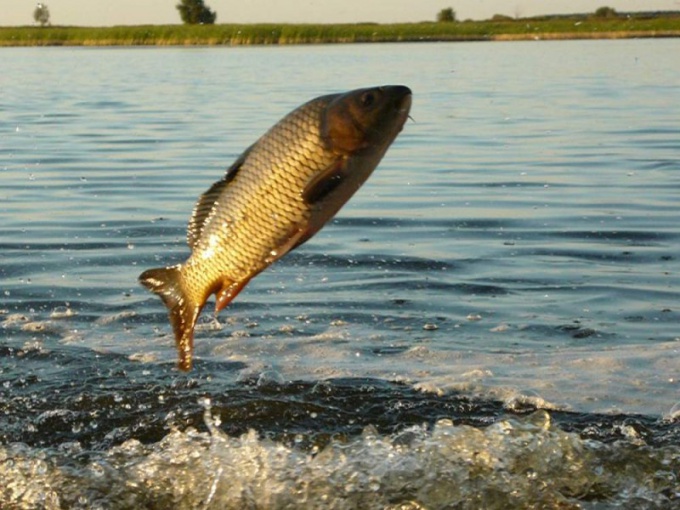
(71, 394)
(463, 223)
(670, 145)
(23, 298)
(156, 232)
(579, 332)
(406, 284)
(102, 104)
(62, 159)
(630, 237)
(652, 131)
(478, 187)
(619, 235)
(592, 288)
(106, 399)
(65, 246)
(125, 226)
(659, 164)
(60, 115)
(614, 256)
(127, 141)
(573, 331)
(14, 270)
(532, 231)
(386, 350)
(366, 261)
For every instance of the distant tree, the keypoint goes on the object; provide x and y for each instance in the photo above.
(606, 12)
(446, 15)
(501, 17)
(193, 12)
(41, 15)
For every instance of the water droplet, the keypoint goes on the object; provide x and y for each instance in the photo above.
(674, 413)
(61, 312)
(270, 378)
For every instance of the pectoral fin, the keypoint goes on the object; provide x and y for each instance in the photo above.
(324, 182)
(326, 193)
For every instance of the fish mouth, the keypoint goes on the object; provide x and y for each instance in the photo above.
(405, 109)
(403, 98)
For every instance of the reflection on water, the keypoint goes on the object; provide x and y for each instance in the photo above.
(518, 248)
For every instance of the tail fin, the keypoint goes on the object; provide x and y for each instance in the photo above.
(183, 313)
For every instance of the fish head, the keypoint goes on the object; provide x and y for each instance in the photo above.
(365, 118)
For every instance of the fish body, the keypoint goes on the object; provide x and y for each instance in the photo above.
(275, 196)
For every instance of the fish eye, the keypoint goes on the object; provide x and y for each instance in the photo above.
(367, 99)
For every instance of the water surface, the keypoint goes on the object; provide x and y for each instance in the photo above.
(516, 252)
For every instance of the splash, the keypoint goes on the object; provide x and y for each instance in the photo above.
(517, 463)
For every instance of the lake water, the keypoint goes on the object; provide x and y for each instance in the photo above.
(493, 321)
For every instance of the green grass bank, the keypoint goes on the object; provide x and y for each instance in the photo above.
(561, 27)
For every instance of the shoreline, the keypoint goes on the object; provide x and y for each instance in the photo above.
(561, 28)
(108, 43)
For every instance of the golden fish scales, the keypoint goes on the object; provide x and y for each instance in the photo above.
(277, 195)
(261, 208)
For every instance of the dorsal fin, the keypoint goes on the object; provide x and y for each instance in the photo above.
(202, 210)
(236, 165)
(206, 202)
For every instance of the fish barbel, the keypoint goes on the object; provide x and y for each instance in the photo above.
(275, 196)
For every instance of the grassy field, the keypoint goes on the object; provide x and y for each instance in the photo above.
(563, 27)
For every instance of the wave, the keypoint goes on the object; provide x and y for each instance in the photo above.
(131, 435)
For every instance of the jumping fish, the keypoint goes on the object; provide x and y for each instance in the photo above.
(275, 196)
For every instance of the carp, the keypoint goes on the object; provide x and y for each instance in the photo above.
(276, 196)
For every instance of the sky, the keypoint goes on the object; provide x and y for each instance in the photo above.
(158, 12)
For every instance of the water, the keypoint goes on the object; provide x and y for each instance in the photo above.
(491, 322)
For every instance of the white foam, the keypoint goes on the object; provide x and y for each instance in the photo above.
(631, 378)
(514, 463)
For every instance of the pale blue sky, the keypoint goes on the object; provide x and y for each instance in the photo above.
(136, 12)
